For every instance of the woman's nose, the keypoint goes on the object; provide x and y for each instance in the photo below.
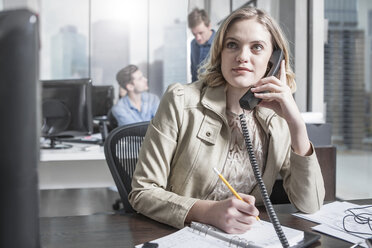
(243, 56)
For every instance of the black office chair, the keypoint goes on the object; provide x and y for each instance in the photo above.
(121, 152)
(112, 122)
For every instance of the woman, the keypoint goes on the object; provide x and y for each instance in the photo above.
(197, 128)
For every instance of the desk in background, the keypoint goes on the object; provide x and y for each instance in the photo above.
(82, 166)
(113, 230)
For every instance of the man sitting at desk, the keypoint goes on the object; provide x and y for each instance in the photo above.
(138, 105)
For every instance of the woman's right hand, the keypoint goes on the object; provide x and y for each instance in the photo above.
(231, 215)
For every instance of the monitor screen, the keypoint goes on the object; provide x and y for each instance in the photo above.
(102, 100)
(66, 107)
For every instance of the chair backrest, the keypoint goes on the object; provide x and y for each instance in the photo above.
(121, 152)
(112, 122)
(327, 160)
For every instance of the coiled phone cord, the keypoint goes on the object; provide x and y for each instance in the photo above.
(269, 207)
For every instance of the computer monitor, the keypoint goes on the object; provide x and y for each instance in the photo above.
(102, 99)
(102, 102)
(66, 109)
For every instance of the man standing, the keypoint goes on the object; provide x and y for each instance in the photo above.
(138, 105)
(200, 27)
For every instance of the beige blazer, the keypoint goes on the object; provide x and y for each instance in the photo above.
(189, 135)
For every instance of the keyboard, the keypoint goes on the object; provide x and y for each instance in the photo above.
(95, 139)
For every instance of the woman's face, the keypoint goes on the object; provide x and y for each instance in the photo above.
(246, 52)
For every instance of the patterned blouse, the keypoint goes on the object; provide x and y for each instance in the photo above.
(238, 170)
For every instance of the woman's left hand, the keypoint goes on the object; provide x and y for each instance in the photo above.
(279, 96)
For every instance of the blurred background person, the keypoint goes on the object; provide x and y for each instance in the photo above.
(137, 105)
(200, 26)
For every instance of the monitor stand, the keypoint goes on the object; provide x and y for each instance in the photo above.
(102, 122)
(53, 144)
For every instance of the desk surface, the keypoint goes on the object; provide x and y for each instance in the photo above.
(113, 230)
(76, 152)
(82, 166)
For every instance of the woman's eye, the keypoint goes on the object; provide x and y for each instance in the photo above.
(231, 45)
(257, 47)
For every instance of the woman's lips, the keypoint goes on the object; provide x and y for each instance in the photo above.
(241, 70)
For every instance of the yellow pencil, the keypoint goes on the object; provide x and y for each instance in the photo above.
(231, 188)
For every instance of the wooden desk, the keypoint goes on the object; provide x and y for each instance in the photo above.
(128, 230)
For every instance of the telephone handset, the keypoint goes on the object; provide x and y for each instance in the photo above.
(248, 100)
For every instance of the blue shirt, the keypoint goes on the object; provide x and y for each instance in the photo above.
(198, 54)
(125, 113)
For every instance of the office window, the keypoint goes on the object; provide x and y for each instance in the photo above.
(64, 39)
(119, 36)
(347, 92)
(167, 48)
(219, 10)
(93, 38)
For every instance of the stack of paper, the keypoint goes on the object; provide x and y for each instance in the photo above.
(330, 217)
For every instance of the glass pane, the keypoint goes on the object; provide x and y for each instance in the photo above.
(239, 3)
(119, 38)
(167, 44)
(64, 39)
(347, 91)
(219, 11)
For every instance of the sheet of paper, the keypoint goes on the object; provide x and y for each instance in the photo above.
(201, 236)
(340, 234)
(263, 235)
(186, 238)
(328, 212)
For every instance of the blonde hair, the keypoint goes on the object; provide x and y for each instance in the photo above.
(211, 72)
